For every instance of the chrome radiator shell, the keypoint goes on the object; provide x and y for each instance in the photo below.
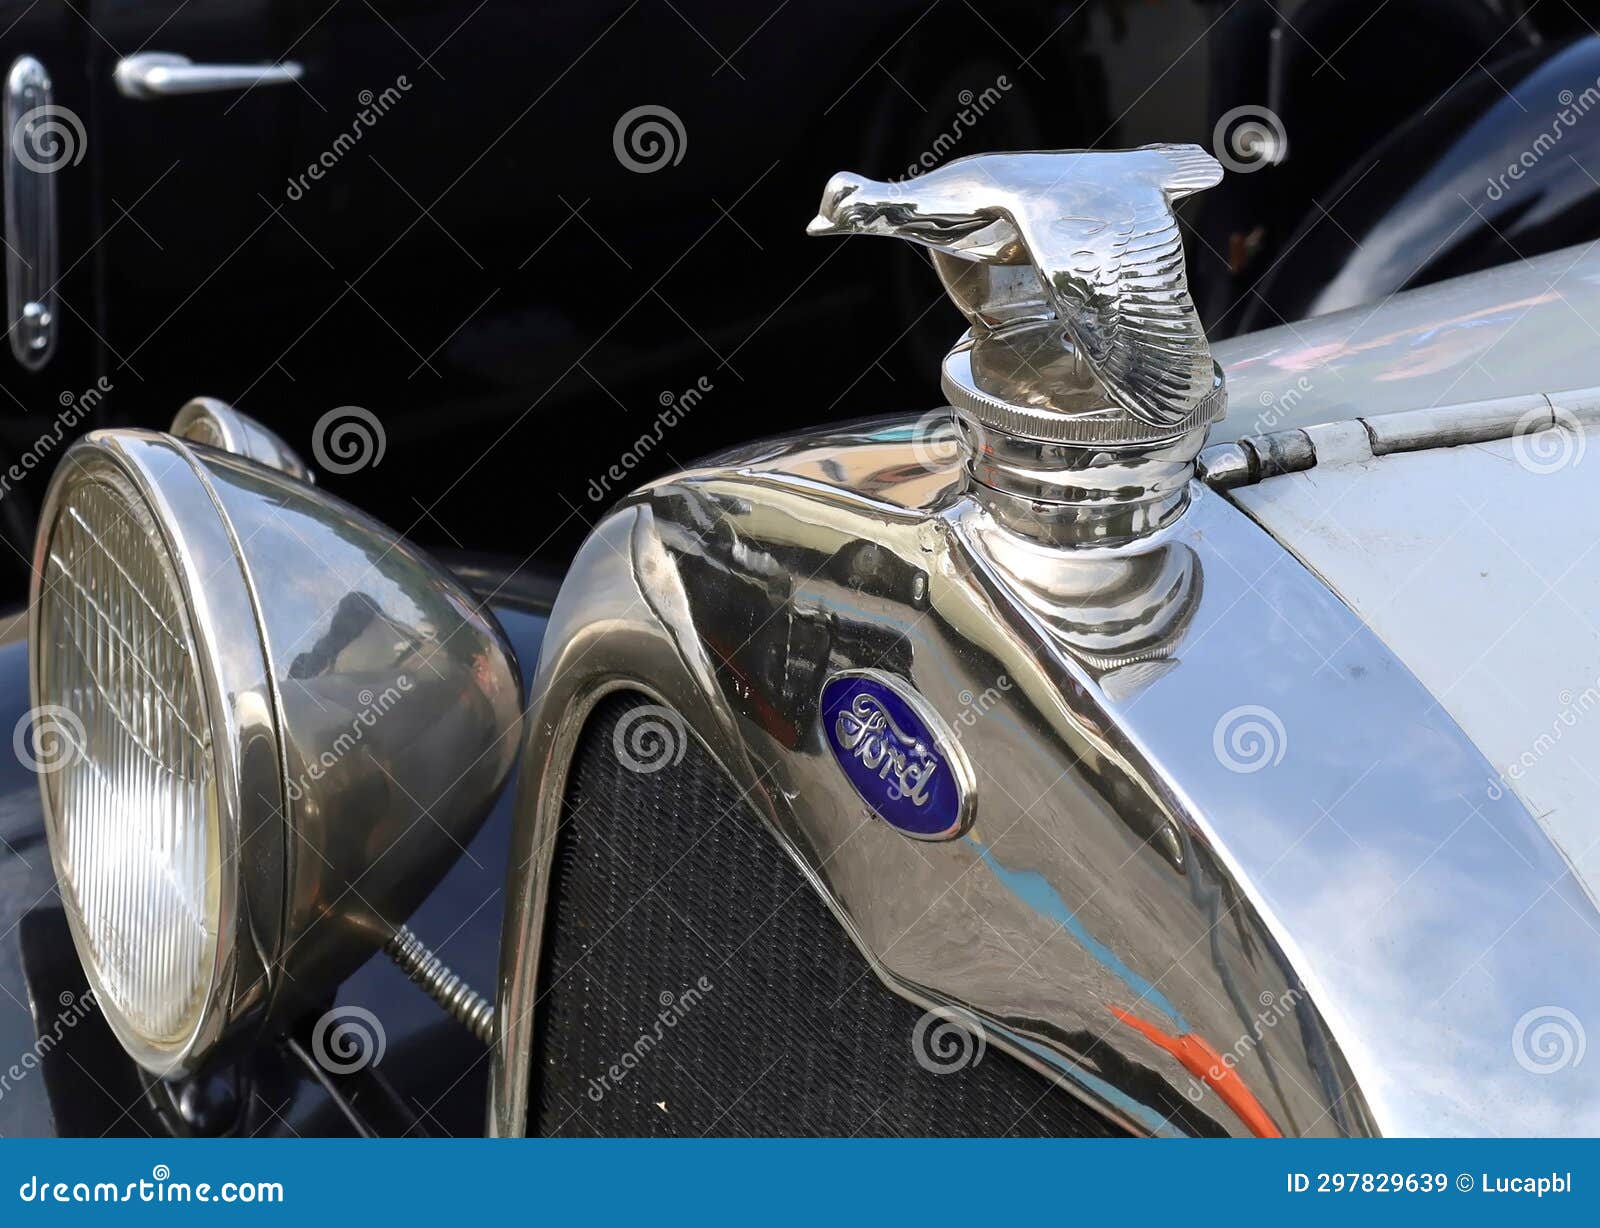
(1313, 934)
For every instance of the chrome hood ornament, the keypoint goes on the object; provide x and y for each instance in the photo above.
(1069, 268)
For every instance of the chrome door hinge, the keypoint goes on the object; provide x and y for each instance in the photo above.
(41, 139)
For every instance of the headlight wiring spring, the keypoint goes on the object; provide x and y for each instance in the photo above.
(464, 1003)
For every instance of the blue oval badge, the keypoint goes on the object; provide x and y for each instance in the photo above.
(899, 755)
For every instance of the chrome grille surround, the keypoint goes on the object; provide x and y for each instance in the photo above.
(1116, 829)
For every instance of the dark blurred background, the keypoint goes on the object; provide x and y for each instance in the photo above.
(476, 263)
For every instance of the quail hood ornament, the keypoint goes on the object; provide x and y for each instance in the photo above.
(1082, 336)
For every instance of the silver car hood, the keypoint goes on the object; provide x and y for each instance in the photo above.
(1525, 327)
(1477, 566)
(1465, 542)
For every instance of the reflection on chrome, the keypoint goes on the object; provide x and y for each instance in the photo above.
(1162, 916)
(281, 699)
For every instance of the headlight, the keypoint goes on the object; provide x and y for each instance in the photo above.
(133, 807)
(284, 724)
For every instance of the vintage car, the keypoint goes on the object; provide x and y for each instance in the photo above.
(1159, 738)
(1104, 741)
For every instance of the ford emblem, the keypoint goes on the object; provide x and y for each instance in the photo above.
(899, 755)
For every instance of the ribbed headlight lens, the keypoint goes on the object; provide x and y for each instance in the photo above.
(133, 810)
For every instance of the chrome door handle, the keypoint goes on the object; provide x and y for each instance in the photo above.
(160, 74)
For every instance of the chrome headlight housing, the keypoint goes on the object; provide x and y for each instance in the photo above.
(280, 723)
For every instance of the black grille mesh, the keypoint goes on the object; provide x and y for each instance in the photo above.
(667, 877)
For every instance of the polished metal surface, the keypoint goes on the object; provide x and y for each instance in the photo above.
(39, 142)
(1085, 238)
(1084, 384)
(399, 703)
(1231, 867)
(363, 713)
(1254, 458)
(216, 423)
(1526, 325)
(1476, 564)
(1071, 496)
(161, 74)
(1021, 381)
